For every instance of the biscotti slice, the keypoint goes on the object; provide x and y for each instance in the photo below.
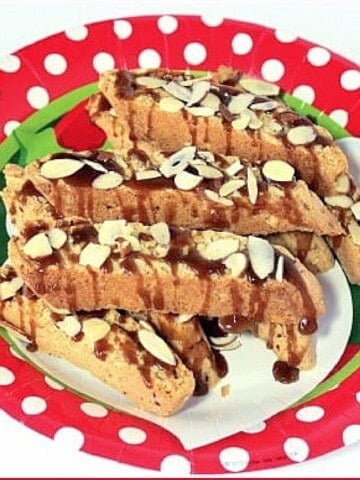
(135, 362)
(168, 269)
(187, 189)
(229, 114)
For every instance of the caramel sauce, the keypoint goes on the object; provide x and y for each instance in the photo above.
(303, 245)
(285, 373)
(307, 327)
(32, 229)
(102, 348)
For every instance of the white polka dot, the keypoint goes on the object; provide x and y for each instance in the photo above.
(103, 61)
(318, 56)
(33, 405)
(10, 63)
(340, 116)
(149, 58)
(122, 29)
(94, 410)
(53, 384)
(132, 435)
(167, 24)
(305, 93)
(234, 459)
(6, 377)
(212, 20)
(351, 434)
(310, 414)
(296, 449)
(175, 463)
(55, 64)
(38, 97)
(259, 427)
(272, 70)
(285, 36)
(10, 126)
(77, 34)
(357, 396)
(242, 43)
(69, 438)
(350, 80)
(195, 53)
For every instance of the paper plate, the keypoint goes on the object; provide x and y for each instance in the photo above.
(41, 87)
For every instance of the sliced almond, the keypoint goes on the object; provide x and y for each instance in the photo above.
(133, 242)
(187, 181)
(233, 345)
(214, 197)
(110, 231)
(201, 111)
(146, 325)
(38, 246)
(271, 126)
(265, 106)
(60, 168)
(209, 172)
(211, 101)
(255, 122)
(278, 171)
(341, 201)
(343, 183)
(57, 238)
(95, 166)
(178, 91)
(8, 289)
(231, 186)
(234, 168)
(205, 155)
(261, 256)
(161, 233)
(94, 255)
(302, 135)
(191, 81)
(199, 90)
(170, 105)
(147, 174)
(220, 249)
(259, 87)
(226, 339)
(177, 162)
(107, 181)
(240, 102)
(354, 230)
(355, 208)
(156, 346)
(242, 121)
(183, 317)
(252, 186)
(70, 325)
(150, 82)
(279, 274)
(95, 329)
(236, 263)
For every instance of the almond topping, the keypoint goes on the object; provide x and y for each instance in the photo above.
(95, 329)
(205, 155)
(147, 175)
(146, 325)
(261, 256)
(95, 166)
(207, 171)
(252, 186)
(161, 233)
(38, 246)
(301, 135)
(201, 111)
(70, 325)
(234, 168)
(354, 230)
(110, 231)
(343, 183)
(107, 181)
(8, 289)
(278, 171)
(220, 249)
(265, 106)
(177, 162)
(156, 346)
(170, 105)
(57, 238)
(192, 81)
(60, 168)
(224, 340)
(231, 186)
(240, 102)
(178, 91)
(236, 263)
(242, 121)
(233, 345)
(183, 317)
(356, 210)
(94, 255)
(199, 90)
(187, 181)
(279, 274)
(255, 122)
(259, 87)
(342, 201)
(211, 101)
(150, 82)
(214, 197)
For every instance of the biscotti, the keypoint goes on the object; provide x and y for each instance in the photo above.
(188, 189)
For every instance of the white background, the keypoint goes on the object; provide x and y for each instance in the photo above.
(332, 23)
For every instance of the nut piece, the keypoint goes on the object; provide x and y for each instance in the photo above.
(161, 233)
(255, 122)
(156, 346)
(110, 231)
(178, 91)
(242, 121)
(302, 135)
(279, 274)
(94, 255)
(187, 181)
(236, 263)
(199, 90)
(261, 256)
(259, 87)
(354, 229)
(214, 197)
(70, 325)
(220, 249)
(211, 101)
(177, 162)
(234, 168)
(231, 186)
(343, 183)
(278, 171)
(232, 345)
(252, 186)
(57, 238)
(146, 325)
(170, 105)
(60, 168)
(207, 171)
(201, 111)
(183, 317)
(147, 175)
(95, 166)
(356, 210)
(8, 289)
(150, 82)
(38, 246)
(240, 102)
(265, 106)
(95, 329)
(342, 201)
(109, 180)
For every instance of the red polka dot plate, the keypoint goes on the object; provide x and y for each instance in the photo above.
(43, 88)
